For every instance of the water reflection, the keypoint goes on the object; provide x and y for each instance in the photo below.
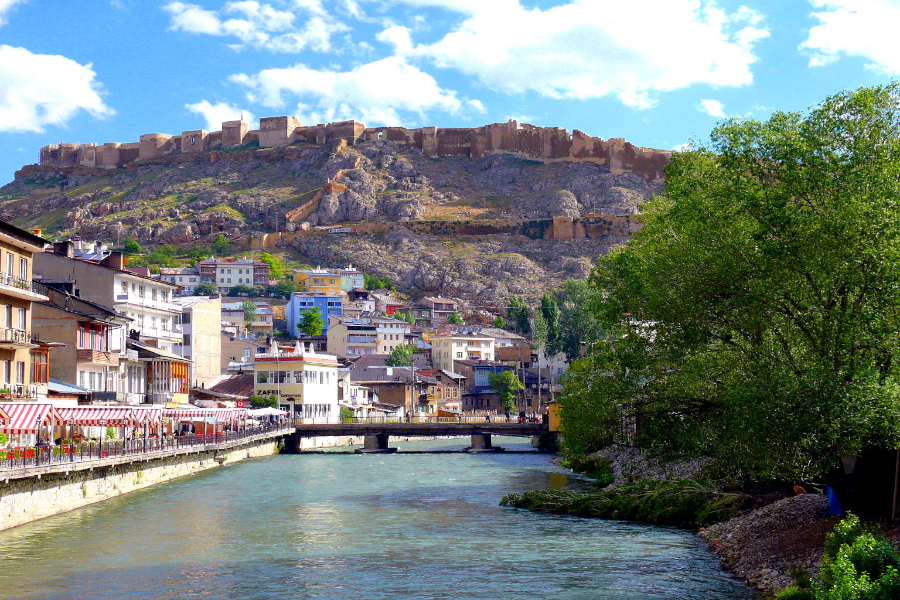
(349, 526)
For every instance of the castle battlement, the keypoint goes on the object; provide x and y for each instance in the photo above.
(545, 144)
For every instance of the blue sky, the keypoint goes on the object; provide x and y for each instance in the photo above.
(657, 72)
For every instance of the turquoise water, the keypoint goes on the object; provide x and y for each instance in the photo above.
(338, 525)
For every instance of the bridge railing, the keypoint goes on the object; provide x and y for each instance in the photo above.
(381, 420)
(18, 457)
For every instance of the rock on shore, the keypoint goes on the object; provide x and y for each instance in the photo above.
(761, 546)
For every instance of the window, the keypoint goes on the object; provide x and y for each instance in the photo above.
(81, 336)
(186, 339)
(94, 345)
(262, 377)
(23, 268)
(153, 294)
(459, 355)
(229, 280)
(247, 353)
(82, 379)
(140, 291)
(193, 140)
(125, 287)
(229, 272)
(10, 263)
(40, 364)
(20, 372)
(22, 319)
(192, 279)
(152, 322)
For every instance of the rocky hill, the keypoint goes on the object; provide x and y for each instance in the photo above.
(247, 191)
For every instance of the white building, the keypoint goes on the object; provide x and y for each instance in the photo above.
(359, 335)
(304, 381)
(447, 348)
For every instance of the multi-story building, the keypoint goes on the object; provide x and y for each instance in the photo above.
(238, 352)
(385, 303)
(186, 278)
(263, 318)
(86, 345)
(479, 394)
(397, 386)
(22, 360)
(360, 335)
(441, 309)
(327, 305)
(448, 348)
(352, 279)
(305, 382)
(201, 322)
(510, 348)
(226, 274)
(318, 281)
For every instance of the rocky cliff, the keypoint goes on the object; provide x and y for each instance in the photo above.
(248, 192)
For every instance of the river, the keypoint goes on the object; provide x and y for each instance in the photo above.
(337, 525)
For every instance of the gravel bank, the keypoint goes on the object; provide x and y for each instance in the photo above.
(761, 546)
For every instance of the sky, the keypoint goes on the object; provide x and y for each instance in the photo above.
(658, 73)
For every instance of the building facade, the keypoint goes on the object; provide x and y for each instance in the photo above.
(186, 278)
(226, 274)
(352, 279)
(327, 305)
(360, 335)
(448, 348)
(19, 352)
(201, 322)
(305, 382)
(318, 281)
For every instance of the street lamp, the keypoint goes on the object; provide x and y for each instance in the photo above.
(102, 431)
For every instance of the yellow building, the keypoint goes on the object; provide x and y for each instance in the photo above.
(24, 364)
(318, 280)
(303, 380)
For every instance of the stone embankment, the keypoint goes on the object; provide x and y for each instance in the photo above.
(763, 545)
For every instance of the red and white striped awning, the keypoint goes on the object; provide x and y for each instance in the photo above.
(184, 414)
(147, 415)
(229, 415)
(87, 416)
(25, 418)
(4, 418)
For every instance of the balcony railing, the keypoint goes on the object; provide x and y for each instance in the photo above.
(97, 356)
(18, 391)
(15, 336)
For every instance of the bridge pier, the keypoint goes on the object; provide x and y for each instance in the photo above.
(375, 444)
(481, 442)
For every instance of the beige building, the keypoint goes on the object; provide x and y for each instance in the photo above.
(359, 335)
(201, 324)
(23, 363)
(448, 348)
(85, 350)
(238, 352)
(304, 381)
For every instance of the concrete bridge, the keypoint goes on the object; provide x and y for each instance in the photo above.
(376, 432)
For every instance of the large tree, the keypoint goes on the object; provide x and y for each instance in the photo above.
(507, 385)
(755, 317)
(310, 322)
(400, 356)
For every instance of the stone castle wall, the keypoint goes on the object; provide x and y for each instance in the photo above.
(545, 144)
(557, 228)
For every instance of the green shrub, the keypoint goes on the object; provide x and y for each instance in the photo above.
(679, 502)
(795, 593)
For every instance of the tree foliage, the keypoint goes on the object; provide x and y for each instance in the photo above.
(400, 356)
(205, 289)
(579, 326)
(499, 322)
(276, 269)
(550, 312)
(249, 311)
(270, 401)
(455, 319)
(283, 289)
(376, 283)
(518, 314)
(131, 246)
(221, 245)
(754, 318)
(311, 322)
(506, 383)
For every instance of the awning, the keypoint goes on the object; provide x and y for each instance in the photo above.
(185, 413)
(145, 415)
(225, 415)
(88, 416)
(27, 418)
(4, 418)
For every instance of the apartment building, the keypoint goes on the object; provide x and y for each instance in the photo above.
(305, 382)
(86, 342)
(226, 274)
(263, 319)
(201, 323)
(22, 358)
(352, 278)
(360, 335)
(185, 278)
(441, 309)
(318, 281)
(327, 305)
(448, 348)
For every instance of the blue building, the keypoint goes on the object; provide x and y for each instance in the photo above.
(327, 305)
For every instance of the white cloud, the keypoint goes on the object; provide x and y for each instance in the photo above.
(587, 49)
(863, 28)
(37, 90)
(5, 7)
(713, 108)
(375, 93)
(216, 114)
(295, 26)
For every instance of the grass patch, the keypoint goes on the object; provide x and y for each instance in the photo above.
(685, 503)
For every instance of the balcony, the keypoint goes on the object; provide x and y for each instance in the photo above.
(20, 288)
(15, 338)
(103, 396)
(360, 339)
(18, 392)
(97, 357)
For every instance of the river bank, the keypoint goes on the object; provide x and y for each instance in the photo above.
(761, 539)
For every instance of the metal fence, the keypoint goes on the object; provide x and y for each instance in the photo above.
(461, 419)
(42, 456)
